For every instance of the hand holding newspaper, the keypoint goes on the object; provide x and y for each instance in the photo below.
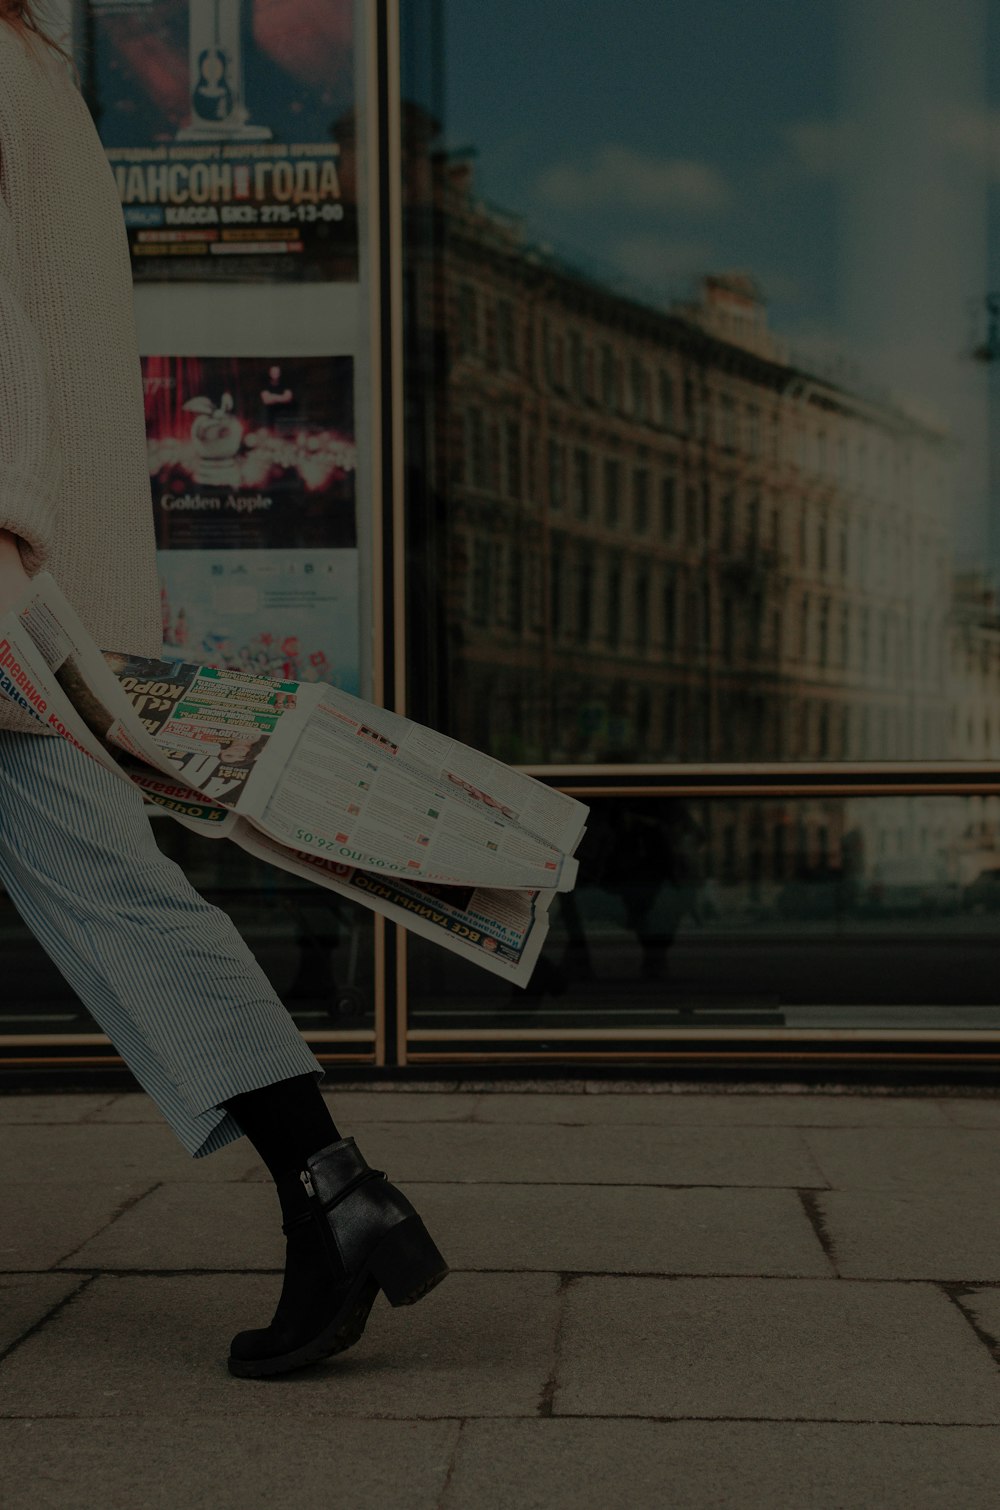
(426, 831)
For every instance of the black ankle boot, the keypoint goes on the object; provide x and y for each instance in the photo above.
(369, 1239)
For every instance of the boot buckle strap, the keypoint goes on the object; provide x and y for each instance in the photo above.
(350, 1187)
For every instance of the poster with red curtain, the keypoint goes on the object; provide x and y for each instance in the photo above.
(252, 469)
(251, 452)
(230, 127)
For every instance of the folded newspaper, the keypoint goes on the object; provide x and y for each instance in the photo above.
(434, 835)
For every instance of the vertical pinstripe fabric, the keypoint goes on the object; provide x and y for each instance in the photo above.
(164, 973)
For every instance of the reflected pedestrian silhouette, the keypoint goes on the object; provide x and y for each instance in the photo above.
(650, 856)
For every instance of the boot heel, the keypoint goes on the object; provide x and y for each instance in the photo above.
(406, 1263)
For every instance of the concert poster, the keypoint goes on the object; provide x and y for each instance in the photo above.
(230, 129)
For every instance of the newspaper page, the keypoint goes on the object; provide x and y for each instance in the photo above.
(182, 802)
(428, 832)
(317, 768)
(28, 680)
(502, 931)
(358, 786)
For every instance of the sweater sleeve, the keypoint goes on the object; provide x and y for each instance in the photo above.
(30, 454)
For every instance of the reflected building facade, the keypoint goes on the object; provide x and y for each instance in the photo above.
(651, 536)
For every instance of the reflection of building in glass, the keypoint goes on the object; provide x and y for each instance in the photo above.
(649, 536)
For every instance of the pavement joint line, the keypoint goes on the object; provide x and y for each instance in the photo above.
(546, 1402)
(42, 1321)
(92, 1119)
(656, 1090)
(92, 1113)
(621, 1185)
(572, 1185)
(817, 1220)
(527, 1121)
(918, 1424)
(452, 1463)
(256, 1178)
(956, 1293)
(120, 1210)
(570, 1275)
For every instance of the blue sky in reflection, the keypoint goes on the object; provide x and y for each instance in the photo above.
(844, 152)
(657, 140)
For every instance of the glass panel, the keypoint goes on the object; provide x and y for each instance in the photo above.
(699, 389)
(238, 136)
(317, 952)
(817, 912)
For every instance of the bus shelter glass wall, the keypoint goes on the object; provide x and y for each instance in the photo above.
(808, 913)
(701, 340)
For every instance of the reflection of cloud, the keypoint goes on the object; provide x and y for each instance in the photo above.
(620, 176)
(875, 368)
(825, 149)
(822, 148)
(976, 133)
(660, 261)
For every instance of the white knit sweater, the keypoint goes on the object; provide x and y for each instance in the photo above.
(74, 475)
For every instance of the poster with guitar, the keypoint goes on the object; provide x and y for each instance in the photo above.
(230, 126)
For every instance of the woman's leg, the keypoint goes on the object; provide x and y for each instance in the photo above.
(165, 974)
(181, 997)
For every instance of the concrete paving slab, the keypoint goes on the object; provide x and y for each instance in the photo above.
(192, 1226)
(726, 1110)
(130, 1106)
(966, 1159)
(16, 1108)
(984, 1305)
(347, 1107)
(25, 1299)
(722, 1465)
(43, 1154)
(494, 1227)
(160, 1464)
(760, 1156)
(927, 1233)
(44, 1223)
(621, 1230)
(130, 1346)
(972, 1111)
(772, 1349)
(128, 1370)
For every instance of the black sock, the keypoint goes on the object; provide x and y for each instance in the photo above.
(286, 1122)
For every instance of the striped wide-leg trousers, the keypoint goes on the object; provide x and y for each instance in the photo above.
(165, 974)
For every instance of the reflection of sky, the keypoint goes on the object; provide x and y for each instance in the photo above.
(838, 150)
(659, 139)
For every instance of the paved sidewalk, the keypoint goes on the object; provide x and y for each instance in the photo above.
(660, 1297)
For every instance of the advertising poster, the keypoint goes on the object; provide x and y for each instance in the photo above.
(252, 472)
(290, 615)
(229, 125)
